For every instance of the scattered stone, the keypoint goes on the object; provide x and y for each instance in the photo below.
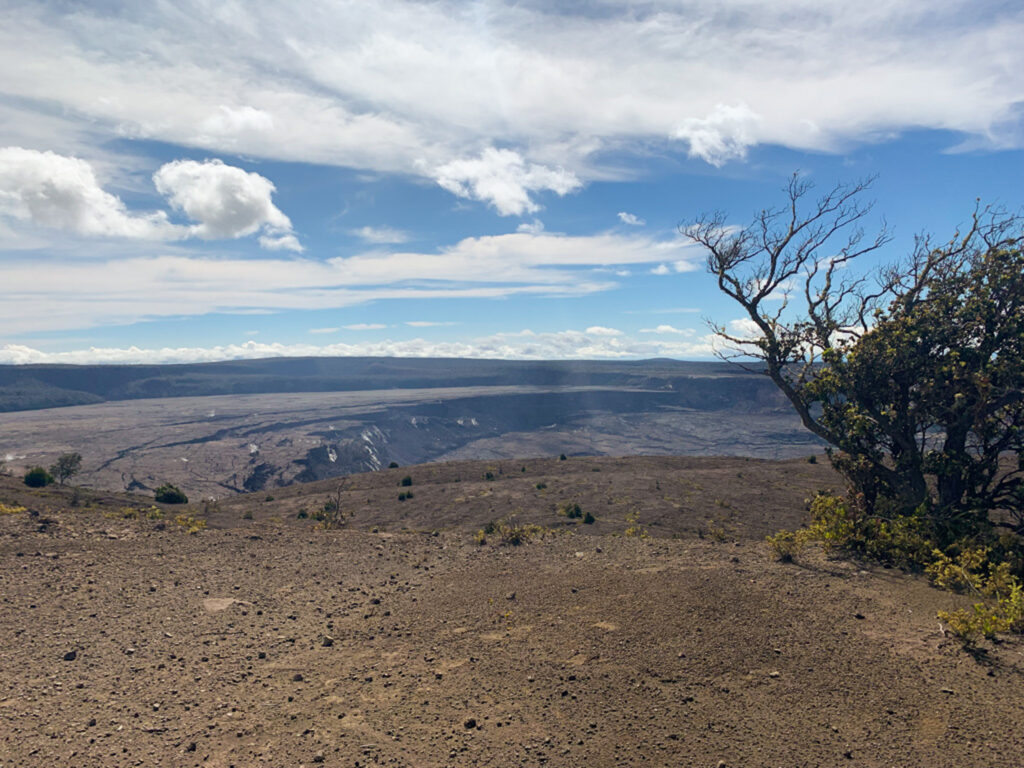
(510, 596)
(328, 641)
(470, 723)
(297, 677)
(70, 655)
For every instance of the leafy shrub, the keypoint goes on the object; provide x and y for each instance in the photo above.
(247, 515)
(541, 486)
(562, 457)
(509, 532)
(404, 496)
(170, 494)
(406, 482)
(588, 519)
(633, 527)
(10, 509)
(37, 477)
(190, 523)
(786, 545)
(812, 459)
(488, 475)
(571, 510)
(393, 465)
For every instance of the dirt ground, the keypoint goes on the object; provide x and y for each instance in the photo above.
(401, 642)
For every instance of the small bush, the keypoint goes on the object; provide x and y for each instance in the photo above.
(269, 498)
(404, 496)
(190, 523)
(302, 514)
(562, 457)
(588, 519)
(812, 459)
(787, 545)
(633, 527)
(488, 475)
(406, 482)
(247, 515)
(170, 494)
(509, 532)
(570, 510)
(393, 465)
(541, 486)
(11, 509)
(37, 477)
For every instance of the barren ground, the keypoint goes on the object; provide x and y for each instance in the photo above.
(399, 641)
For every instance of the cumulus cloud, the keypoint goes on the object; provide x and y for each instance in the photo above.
(59, 192)
(725, 134)
(226, 201)
(680, 265)
(503, 179)
(632, 219)
(46, 189)
(519, 345)
(661, 269)
(381, 235)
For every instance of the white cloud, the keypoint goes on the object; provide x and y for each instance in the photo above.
(381, 235)
(45, 189)
(534, 227)
(600, 330)
(369, 85)
(725, 134)
(677, 266)
(669, 329)
(428, 323)
(324, 331)
(228, 202)
(661, 269)
(86, 293)
(632, 219)
(365, 327)
(554, 345)
(503, 179)
(50, 190)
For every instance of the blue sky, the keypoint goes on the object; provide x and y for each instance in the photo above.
(212, 180)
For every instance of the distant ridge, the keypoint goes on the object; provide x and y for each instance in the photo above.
(32, 387)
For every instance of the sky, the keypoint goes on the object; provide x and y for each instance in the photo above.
(204, 180)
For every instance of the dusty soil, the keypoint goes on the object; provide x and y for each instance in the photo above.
(267, 642)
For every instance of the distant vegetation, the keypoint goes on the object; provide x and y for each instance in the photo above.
(67, 466)
(171, 494)
(37, 477)
(915, 380)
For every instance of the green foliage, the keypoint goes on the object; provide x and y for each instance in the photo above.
(170, 494)
(189, 523)
(562, 457)
(571, 509)
(404, 496)
(67, 466)
(787, 545)
(406, 481)
(1001, 608)
(633, 527)
(393, 465)
(914, 378)
(37, 477)
(11, 509)
(509, 532)
(541, 486)
(588, 519)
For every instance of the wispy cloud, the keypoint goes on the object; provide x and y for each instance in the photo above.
(632, 219)
(324, 331)
(365, 85)
(364, 327)
(428, 323)
(381, 235)
(85, 293)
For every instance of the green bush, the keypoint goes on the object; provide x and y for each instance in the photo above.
(588, 519)
(170, 494)
(37, 477)
(571, 510)
(406, 482)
